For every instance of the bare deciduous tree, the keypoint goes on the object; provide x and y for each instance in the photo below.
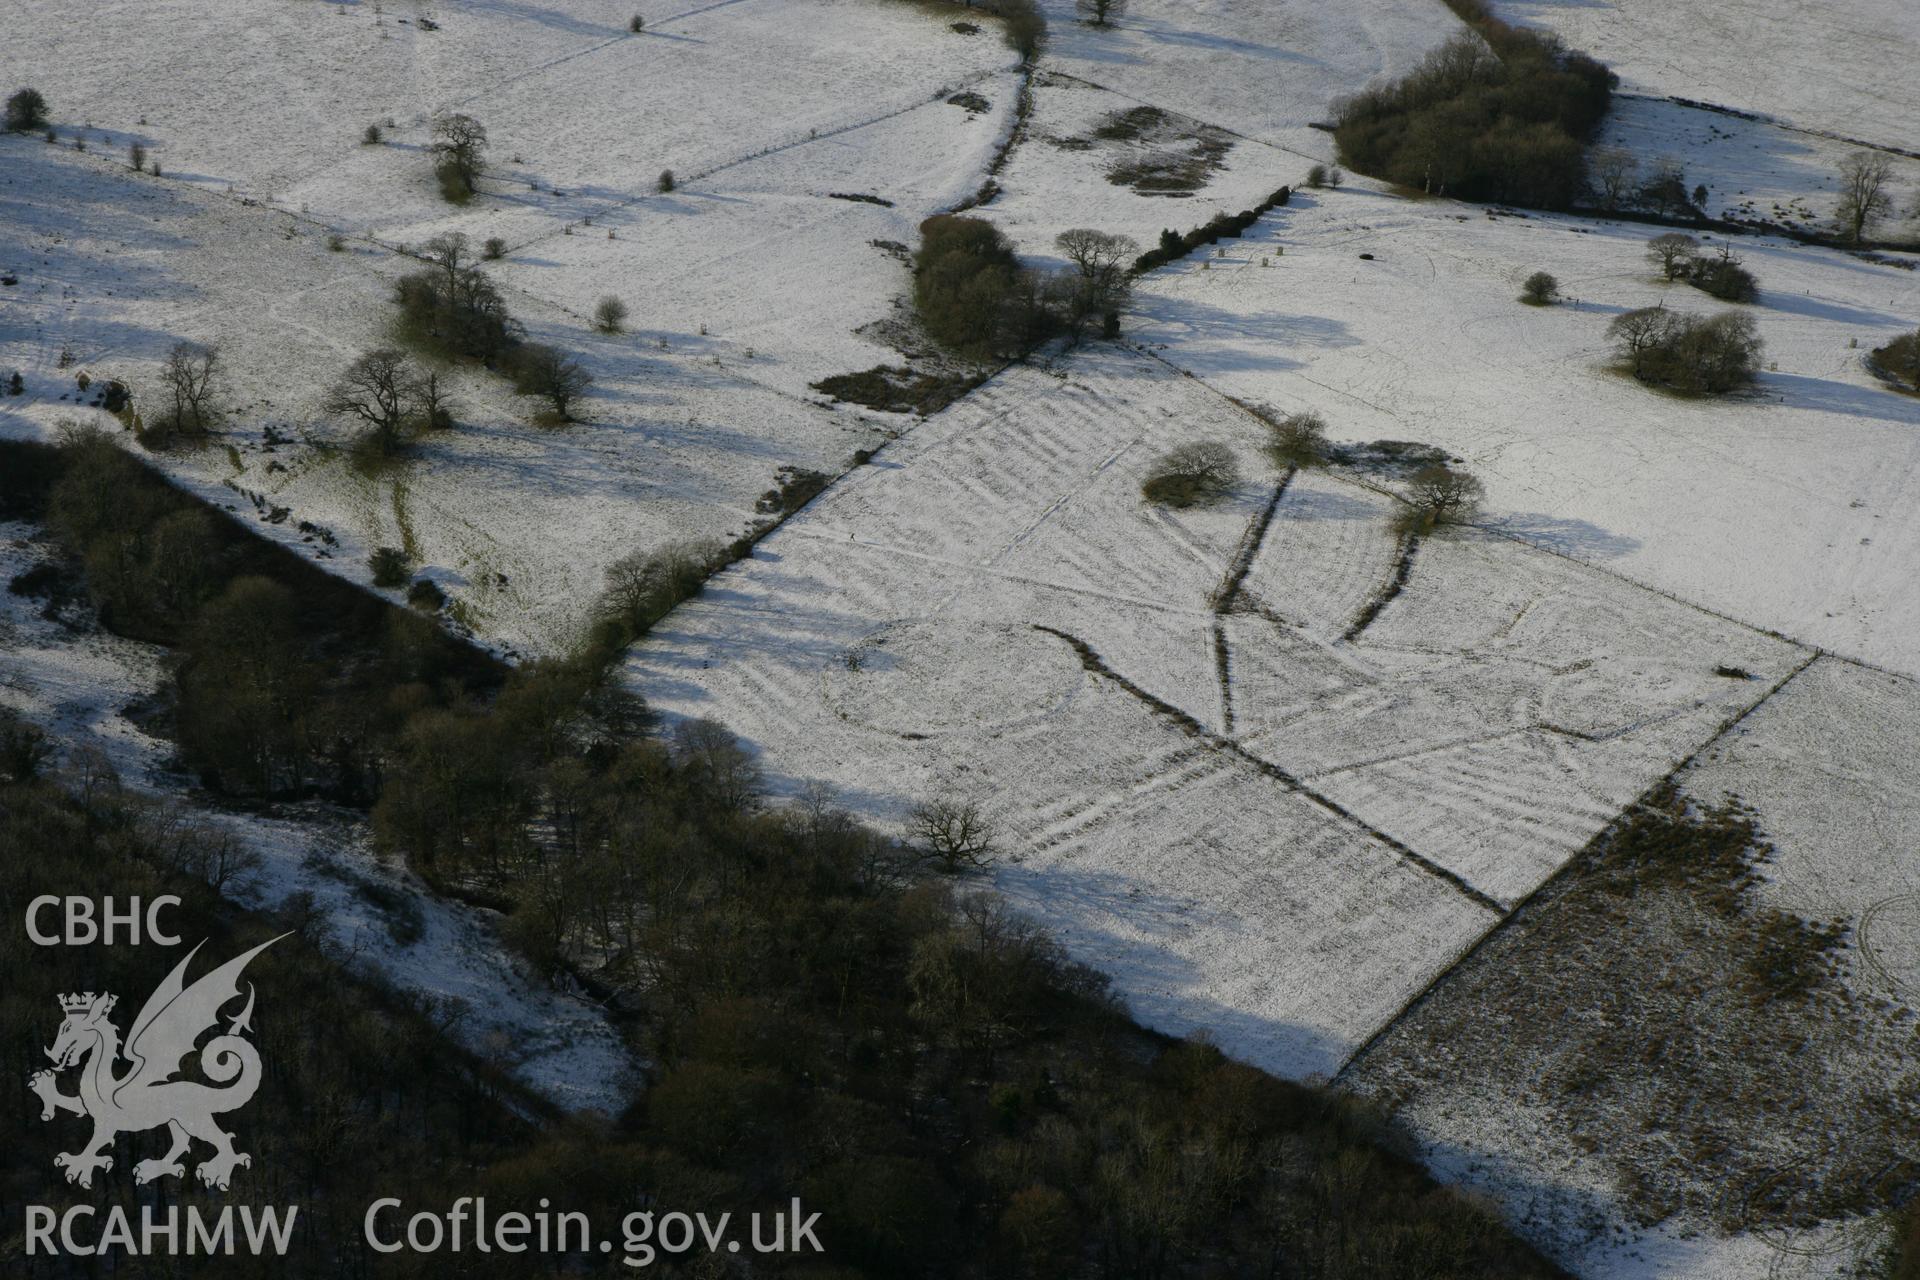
(1614, 169)
(1100, 262)
(377, 388)
(460, 142)
(193, 376)
(954, 834)
(1440, 495)
(1102, 12)
(428, 391)
(1672, 253)
(450, 251)
(610, 315)
(1864, 198)
(1191, 474)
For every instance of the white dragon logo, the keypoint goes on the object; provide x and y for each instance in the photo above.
(147, 1096)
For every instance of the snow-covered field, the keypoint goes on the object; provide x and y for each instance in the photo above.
(1263, 822)
(697, 406)
(1794, 507)
(1753, 170)
(910, 636)
(80, 683)
(1264, 69)
(1845, 67)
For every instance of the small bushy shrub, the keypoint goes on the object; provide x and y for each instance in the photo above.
(426, 596)
(1299, 441)
(371, 135)
(26, 110)
(666, 182)
(391, 566)
(1540, 290)
(609, 315)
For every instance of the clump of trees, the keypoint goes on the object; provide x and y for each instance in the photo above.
(1192, 475)
(644, 586)
(1506, 117)
(1688, 353)
(452, 309)
(459, 148)
(26, 110)
(552, 375)
(1678, 257)
(1899, 360)
(1540, 290)
(971, 293)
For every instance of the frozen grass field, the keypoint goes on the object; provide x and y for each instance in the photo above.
(1274, 796)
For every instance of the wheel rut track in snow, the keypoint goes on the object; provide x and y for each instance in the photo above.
(1566, 871)
(1096, 665)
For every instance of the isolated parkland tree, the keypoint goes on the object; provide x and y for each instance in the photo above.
(609, 315)
(1441, 495)
(1540, 290)
(1101, 12)
(1864, 198)
(460, 145)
